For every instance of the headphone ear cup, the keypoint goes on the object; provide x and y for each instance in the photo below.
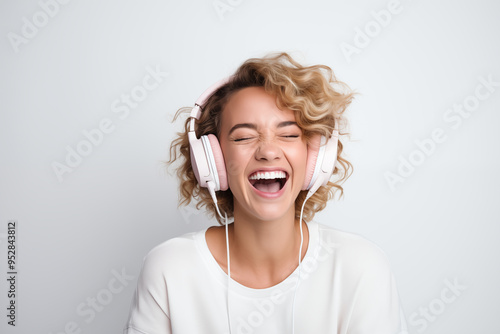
(219, 161)
(199, 163)
(312, 157)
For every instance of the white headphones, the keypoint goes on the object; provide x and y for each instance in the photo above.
(209, 168)
(208, 164)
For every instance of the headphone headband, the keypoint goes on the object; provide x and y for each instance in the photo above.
(196, 111)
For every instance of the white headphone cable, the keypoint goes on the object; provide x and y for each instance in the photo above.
(211, 189)
(228, 273)
(309, 194)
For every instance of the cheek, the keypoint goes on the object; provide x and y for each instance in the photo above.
(235, 164)
(299, 156)
(299, 166)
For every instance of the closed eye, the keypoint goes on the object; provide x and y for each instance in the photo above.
(242, 139)
(290, 137)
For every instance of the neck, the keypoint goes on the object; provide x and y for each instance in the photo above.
(263, 253)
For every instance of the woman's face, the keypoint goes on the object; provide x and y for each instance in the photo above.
(265, 154)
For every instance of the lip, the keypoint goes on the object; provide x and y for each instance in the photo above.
(269, 169)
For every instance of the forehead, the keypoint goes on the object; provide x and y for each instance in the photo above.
(254, 105)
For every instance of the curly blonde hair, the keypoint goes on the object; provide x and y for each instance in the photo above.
(317, 99)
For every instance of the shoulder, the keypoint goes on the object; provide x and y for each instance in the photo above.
(365, 283)
(352, 251)
(172, 253)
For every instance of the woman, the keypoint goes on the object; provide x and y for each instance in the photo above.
(259, 149)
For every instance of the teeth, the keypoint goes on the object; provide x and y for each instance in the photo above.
(268, 175)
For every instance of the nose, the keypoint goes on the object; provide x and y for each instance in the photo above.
(268, 150)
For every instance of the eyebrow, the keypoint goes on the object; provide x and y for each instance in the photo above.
(254, 127)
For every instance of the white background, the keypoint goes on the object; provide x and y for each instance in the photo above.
(441, 222)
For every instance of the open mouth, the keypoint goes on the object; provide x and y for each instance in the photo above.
(268, 182)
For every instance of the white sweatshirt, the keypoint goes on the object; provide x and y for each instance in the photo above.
(346, 287)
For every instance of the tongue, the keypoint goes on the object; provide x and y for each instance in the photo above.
(268, 186)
